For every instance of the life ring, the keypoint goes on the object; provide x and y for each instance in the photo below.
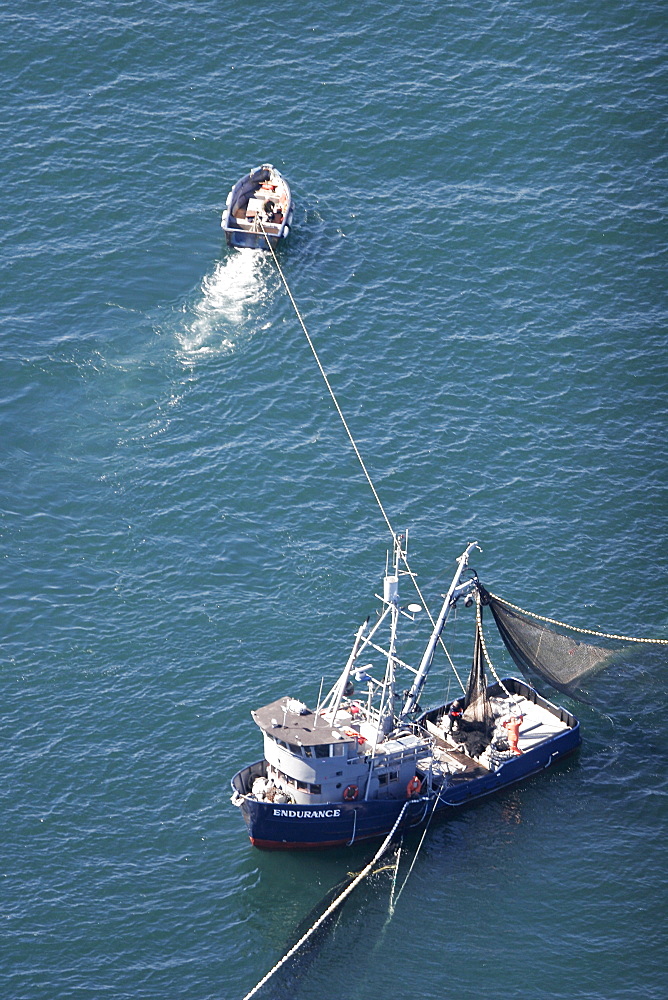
(350, 793)
(414, 786)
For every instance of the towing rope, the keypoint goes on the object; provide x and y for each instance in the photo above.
(329, 389)
(356, 449)
(573, 628)
(337, 902)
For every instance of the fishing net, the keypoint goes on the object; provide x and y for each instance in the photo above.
(477, 713)
(559, 654)
(477, 719)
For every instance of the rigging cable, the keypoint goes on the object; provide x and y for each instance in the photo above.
(356, 449)
(478, 625)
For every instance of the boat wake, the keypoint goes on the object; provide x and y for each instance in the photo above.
(230, 305)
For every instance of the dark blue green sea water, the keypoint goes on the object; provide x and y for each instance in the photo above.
(479, 256)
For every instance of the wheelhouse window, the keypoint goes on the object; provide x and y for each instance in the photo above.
(383, 779)
(319, 750)
(304, 786)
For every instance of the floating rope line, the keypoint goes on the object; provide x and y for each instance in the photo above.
(355, 448)
(395, 900)
(573, 628)
(330, 909)
(394, 877)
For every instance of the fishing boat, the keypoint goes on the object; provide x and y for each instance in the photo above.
(367, 756)
(259, 210)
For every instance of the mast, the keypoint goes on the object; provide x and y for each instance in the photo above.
(343, 680)
(391, 599)
(428, 655)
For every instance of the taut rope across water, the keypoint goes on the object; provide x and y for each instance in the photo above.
(356, 449)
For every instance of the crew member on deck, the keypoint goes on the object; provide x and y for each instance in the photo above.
(455, 717)
(512, 727)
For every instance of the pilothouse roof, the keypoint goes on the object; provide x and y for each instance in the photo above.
(283, 720)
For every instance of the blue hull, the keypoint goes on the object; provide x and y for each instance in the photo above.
(339, 824)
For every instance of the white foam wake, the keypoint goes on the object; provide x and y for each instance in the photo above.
(231, 304)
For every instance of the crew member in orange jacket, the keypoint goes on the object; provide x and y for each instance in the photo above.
(512, 727)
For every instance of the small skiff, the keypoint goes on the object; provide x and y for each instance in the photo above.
(258, 210)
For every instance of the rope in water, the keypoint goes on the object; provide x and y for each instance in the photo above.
(355, 448)
(573, 628)
(330, 909)
(331, 391)
(395, 899)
